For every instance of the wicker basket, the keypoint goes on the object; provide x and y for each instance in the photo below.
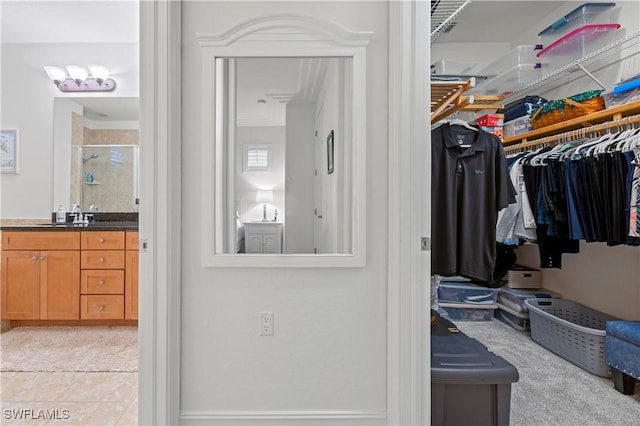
(572, 331)
(565, 109)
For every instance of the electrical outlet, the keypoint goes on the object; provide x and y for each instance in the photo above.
(265, 323)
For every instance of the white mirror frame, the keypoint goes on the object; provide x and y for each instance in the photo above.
(281, 36)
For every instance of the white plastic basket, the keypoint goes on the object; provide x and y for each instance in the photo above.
(572, 331)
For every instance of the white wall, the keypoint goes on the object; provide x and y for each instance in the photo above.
(27, 105)
(328, 356)
(299, 197)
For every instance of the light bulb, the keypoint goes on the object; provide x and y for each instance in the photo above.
(99, 72)
(56, 74)
(77, 73)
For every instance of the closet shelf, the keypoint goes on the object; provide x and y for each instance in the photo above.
(617, 51)
(609, 114)
(448, 97)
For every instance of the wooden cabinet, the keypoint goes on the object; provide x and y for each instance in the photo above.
(103, 274)
(131, 276)
(263, 237)
(40, 275)
(69, 275)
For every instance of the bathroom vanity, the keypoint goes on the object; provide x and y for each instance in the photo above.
(70, 273)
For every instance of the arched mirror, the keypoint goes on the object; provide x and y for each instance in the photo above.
(284, 163)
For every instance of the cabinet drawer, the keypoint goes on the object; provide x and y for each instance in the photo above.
(40, 240)
(132, 240)
(260, 228)
(105, 281)
(101, 307)
(102, 240)
(102, 259)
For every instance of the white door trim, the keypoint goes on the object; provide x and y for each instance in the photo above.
(160, 147)
(408, 398)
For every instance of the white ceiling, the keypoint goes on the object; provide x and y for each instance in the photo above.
(54, 21)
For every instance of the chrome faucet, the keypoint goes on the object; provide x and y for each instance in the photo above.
(89, 217)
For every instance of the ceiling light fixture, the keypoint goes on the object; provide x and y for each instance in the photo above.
(78, 79)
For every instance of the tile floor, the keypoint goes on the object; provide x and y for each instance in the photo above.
(68, 398)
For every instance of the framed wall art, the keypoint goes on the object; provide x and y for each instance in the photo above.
(9, 151)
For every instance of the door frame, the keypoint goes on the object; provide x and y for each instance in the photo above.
(408, 189)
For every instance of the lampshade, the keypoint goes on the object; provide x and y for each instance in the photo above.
(264, 197)
(99, 72)
(56, 73)
(77, 73)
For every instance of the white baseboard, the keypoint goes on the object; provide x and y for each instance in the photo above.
(328, 418)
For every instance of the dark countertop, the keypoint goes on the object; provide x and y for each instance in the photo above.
(97, 226)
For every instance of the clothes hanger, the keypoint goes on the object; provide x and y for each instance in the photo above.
(629, 141)
(459, 122)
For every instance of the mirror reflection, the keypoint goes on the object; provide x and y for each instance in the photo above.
(284, 143)
(96, 161)
(105, 177)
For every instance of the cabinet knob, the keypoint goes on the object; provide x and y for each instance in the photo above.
(101, 307)
(101, 260)
(41, 257)
(101, 240)
(101, 282)
(34, 258)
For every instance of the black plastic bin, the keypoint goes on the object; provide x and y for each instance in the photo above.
(470, 386)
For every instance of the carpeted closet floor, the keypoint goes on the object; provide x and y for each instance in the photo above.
(552, 391)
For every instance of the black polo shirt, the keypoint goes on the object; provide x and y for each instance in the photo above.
(468, 188)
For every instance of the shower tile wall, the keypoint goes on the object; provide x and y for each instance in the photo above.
(113, 170)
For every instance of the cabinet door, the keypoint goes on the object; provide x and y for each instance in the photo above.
(60, 285)
(270, 243)
(20, 285)
(131, 285)
(253, 243)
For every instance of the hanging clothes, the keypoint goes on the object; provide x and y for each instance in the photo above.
(584, 191)
(470, 185)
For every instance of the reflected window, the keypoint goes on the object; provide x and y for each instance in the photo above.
(257, 159)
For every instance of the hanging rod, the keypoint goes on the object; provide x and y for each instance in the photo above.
(574, 134)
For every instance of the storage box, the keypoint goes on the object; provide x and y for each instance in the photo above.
(525, 54)
(522, 277)
(469, 384)
(513, 298)
(448, 66)
(510, 80)
(494, 130)
(576, 44)
(517, 320)
(517, 126)
(572, 331)
(490, 120)
(453, 292)
(468, 312)
(618, 96)
(587, 13)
